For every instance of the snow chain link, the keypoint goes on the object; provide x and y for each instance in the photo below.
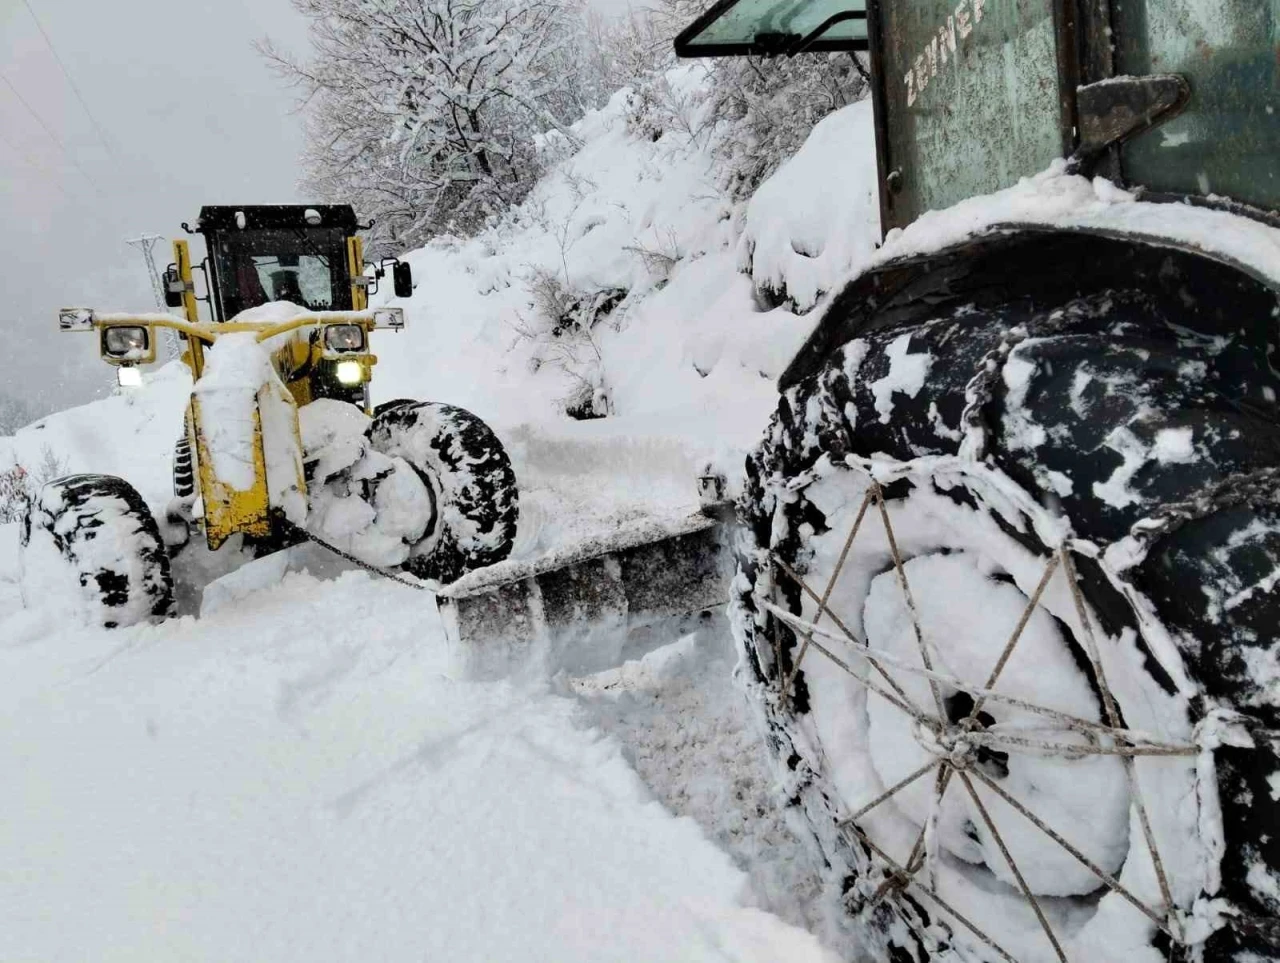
(305, 535)
(981, 389)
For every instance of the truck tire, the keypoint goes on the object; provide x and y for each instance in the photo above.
(471, 482)
(91, 543)
(1132, 466)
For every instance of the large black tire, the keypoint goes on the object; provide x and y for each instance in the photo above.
(471, 481)
(998, 432)
(90, 543)
(393, 403)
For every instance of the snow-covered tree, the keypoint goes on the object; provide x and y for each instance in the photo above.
(423, 113)
(14, 414)
(771, 105)
(763, 108)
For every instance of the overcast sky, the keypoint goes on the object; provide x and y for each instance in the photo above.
(181, 112)
(191, 116)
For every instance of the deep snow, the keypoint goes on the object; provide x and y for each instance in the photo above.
(295, 777)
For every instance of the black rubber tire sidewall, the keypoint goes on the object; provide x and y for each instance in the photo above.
(471, 478)
(815, 421)
(115, 598)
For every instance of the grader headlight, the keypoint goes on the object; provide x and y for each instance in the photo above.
(350, 372)
(344, 338)
(126, 342)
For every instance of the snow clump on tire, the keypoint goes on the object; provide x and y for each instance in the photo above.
(472, 482)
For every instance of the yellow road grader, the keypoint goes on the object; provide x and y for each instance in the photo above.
(280, 442)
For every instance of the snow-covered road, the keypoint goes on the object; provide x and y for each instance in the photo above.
(295, 777)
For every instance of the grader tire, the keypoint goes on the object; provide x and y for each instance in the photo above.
(978, 456)
(90, 542)
(184, 478)
(471, 480)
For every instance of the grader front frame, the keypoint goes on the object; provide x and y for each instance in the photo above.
(309, 256)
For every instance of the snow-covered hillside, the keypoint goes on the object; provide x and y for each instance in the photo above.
(293, 774)
(685, 363)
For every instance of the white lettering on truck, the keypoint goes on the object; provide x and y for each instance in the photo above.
(940, 51)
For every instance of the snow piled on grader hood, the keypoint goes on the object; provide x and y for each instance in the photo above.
(239, 394)
(236, 366)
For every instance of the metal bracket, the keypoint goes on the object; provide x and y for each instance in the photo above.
(1116, 109)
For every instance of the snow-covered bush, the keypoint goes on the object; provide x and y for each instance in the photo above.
(19, 484)
(656, 106)
(14, 494)
(770, 106)
(423, 113)
(564, 331)
(762, 108)
(624, 50)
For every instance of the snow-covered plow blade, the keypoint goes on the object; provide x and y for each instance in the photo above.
(591, 606)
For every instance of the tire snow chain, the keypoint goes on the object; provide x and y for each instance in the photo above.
(305, 535)
(981, 387)
(1255, 488)
(1219, 727)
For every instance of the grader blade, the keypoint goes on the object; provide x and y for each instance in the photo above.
(590, 607)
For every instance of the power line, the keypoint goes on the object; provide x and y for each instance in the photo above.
(102, 134)
(38, 167)
(53, 136)
(55, 181)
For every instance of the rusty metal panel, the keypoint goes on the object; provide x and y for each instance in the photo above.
(1227, 141)
(972, 98)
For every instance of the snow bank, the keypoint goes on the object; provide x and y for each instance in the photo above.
(689, 357)
(130, 434)
(817, 219)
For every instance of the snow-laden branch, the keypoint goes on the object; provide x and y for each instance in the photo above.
(425, 114)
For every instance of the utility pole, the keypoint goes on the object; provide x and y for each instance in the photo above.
(146, 243)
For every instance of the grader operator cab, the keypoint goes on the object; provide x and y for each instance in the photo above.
(310, 256)
(1007, 594)
(279, 441)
